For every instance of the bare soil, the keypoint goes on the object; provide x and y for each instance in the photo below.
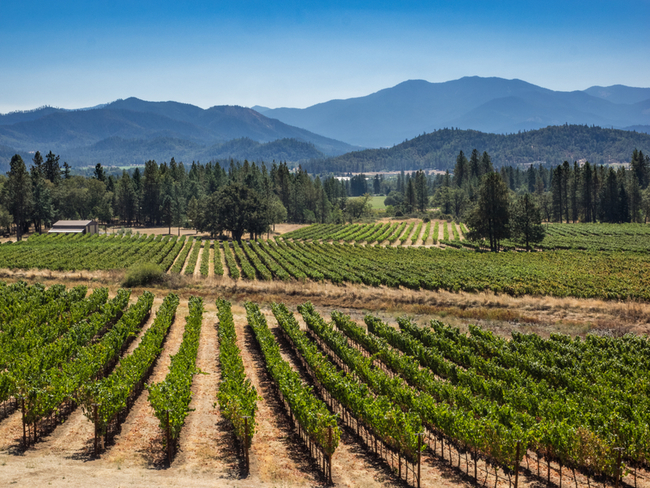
(208, 455)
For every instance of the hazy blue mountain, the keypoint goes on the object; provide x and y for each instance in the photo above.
(439, 149)
(62, 130)
(620, 93)
(392, 115)
(27, 115)
(116, 151)
(639, 128)
(6, 153)
(109, 131)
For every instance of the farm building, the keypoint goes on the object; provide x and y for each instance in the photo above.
(75, 227)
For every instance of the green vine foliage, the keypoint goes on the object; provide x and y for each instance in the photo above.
(237, 397)
(111, 393)
(172, 396)
(312, 413)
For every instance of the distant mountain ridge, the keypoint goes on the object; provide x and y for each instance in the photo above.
(439, 149)
(131, 130)
(82, 137)
(117, 151)
(493, 105)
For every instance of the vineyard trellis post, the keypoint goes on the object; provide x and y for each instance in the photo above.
(247, 459)
(95, 418)
(517, 464)
(617, 473)
(419, 455)
(24, 432)
(169, 441)
(329, 455)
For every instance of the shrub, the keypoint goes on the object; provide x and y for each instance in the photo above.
(143, 275)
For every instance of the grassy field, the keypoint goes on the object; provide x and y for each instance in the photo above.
(377, 202)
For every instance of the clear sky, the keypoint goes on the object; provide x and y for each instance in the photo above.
(76, 54)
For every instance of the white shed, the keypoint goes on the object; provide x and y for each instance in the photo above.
(75, 227)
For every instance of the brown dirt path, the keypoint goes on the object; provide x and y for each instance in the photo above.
(197, 266)
(74, 438)
(356, 465)
(276, 455)
(352, 464)
(441, 230)
(193, 242)
(139, 440)
(176, 258)
(206, 440)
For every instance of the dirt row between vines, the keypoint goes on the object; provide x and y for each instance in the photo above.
(208, 455)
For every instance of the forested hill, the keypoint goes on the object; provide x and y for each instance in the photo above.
(125, 152)
(133, 131)
(438, 150)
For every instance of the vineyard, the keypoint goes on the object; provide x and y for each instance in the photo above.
(499, 411)
(613, 275)
(412, 233)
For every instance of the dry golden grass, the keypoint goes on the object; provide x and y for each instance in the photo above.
(545, 314)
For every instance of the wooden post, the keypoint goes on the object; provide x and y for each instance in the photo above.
(329, 455)
(517, 464)
(618, 465)
(246, 458)
(24, 432)
(419, 455)
(169, 442)
(95, 418)
(476, 464)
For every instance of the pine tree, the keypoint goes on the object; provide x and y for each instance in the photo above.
(17, 193)
(475, 165)
(490, 218)
(421, 191)
(586, 194)
(526, 221)
(52, 170)
(461, 170)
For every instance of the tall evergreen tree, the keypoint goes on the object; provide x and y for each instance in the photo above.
(42, 209)
(421, 191)
(126, 198)
(461, 170)
(51, 168)
(475, 165)
(574, 183)
(586, 194)
(17, 193)
(526, 221)
(486, 164)
(490, 218)
(151, 193)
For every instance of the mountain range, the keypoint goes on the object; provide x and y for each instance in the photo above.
(130, 131)
(493, 105)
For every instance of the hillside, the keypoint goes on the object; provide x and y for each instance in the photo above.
(117, 151)
(438, 150)
(493, 105)
(134, 130)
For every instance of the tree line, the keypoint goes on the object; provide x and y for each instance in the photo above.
(215, 197)
(578, 192)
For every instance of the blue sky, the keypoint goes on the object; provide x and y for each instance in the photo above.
(82, 53)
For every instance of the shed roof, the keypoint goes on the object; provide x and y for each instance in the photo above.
(72, 223)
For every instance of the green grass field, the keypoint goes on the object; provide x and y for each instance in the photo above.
(377, 202)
